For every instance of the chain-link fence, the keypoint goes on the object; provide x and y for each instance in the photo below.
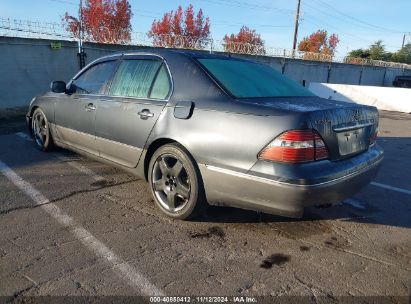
(56, 31)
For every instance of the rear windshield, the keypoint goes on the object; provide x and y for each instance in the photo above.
(252, 80)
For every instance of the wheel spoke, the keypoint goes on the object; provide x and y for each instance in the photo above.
(171, 200)
(183, 190)
(158, 185)
(36, 127)
(177, 168)
(163, 166)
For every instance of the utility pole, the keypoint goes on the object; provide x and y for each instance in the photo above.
(403, 38)
(297, 18)
(81, 55)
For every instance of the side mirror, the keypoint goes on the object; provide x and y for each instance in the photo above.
(72, 88)
(58, 87)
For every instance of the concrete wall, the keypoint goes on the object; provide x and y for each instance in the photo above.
(28, 66)
(306, 71)
(389, 99)
(373, 76)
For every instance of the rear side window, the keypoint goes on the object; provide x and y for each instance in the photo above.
(95, 78)
(252, 80)
(134, 78)
(161, 86)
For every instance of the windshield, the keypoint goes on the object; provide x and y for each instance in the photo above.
(245, 79)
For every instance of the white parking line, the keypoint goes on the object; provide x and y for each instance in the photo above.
(120, 267)
(24, 136)
(391, 188)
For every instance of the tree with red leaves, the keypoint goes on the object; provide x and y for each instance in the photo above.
(106, 21)
(319, 42)
(181, 29)
(246, 41)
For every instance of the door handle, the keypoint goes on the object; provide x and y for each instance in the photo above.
(90, 107)
(144, 114)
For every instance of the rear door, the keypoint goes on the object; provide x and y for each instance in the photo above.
(75, 114)
(133, 103)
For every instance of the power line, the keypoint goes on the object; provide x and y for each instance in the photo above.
(64, 2)
(234, 3)
(356, 19)
(152, 14)
(326, 13)
(358, 38)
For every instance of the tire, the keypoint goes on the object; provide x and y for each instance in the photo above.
(41, 131)
(175, 182)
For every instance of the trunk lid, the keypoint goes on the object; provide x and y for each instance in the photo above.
(346, 128)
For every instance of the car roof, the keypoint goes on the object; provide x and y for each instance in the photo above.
(171, 52)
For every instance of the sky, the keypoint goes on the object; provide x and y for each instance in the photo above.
(357, 23)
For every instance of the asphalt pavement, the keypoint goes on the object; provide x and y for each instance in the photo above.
(71, 226)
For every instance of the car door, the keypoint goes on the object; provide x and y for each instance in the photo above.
(133, 103)
(75, 112)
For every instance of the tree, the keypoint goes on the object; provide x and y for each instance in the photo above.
(181, 29)
(359, 53)
(105, 21)
(403, 55)
(377, 51)
(319, 42)
(246, 41)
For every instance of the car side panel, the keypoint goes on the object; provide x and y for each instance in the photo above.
(121, 133)
(226, 139)
(74, 123)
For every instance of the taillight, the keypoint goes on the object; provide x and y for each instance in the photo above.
(295, 146)
(373, 137)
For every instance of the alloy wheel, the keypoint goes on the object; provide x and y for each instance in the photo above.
(40, 129)
(171, 183)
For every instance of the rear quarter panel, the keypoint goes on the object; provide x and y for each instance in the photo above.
(229, 139)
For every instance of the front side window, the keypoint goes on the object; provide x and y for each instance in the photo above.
(252, 80)
(134, 78)
(94, 79)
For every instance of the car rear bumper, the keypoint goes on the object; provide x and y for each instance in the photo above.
(305, 185)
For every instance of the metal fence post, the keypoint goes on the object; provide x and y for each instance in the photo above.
(329, 72)
(362, 69)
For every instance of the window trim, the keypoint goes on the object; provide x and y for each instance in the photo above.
(144, 56)
(102, 91)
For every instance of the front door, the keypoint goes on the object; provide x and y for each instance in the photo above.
(128, 113)
(75, 114)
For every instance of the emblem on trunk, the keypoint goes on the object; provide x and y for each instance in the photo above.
(356, 114)
(322, 121)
